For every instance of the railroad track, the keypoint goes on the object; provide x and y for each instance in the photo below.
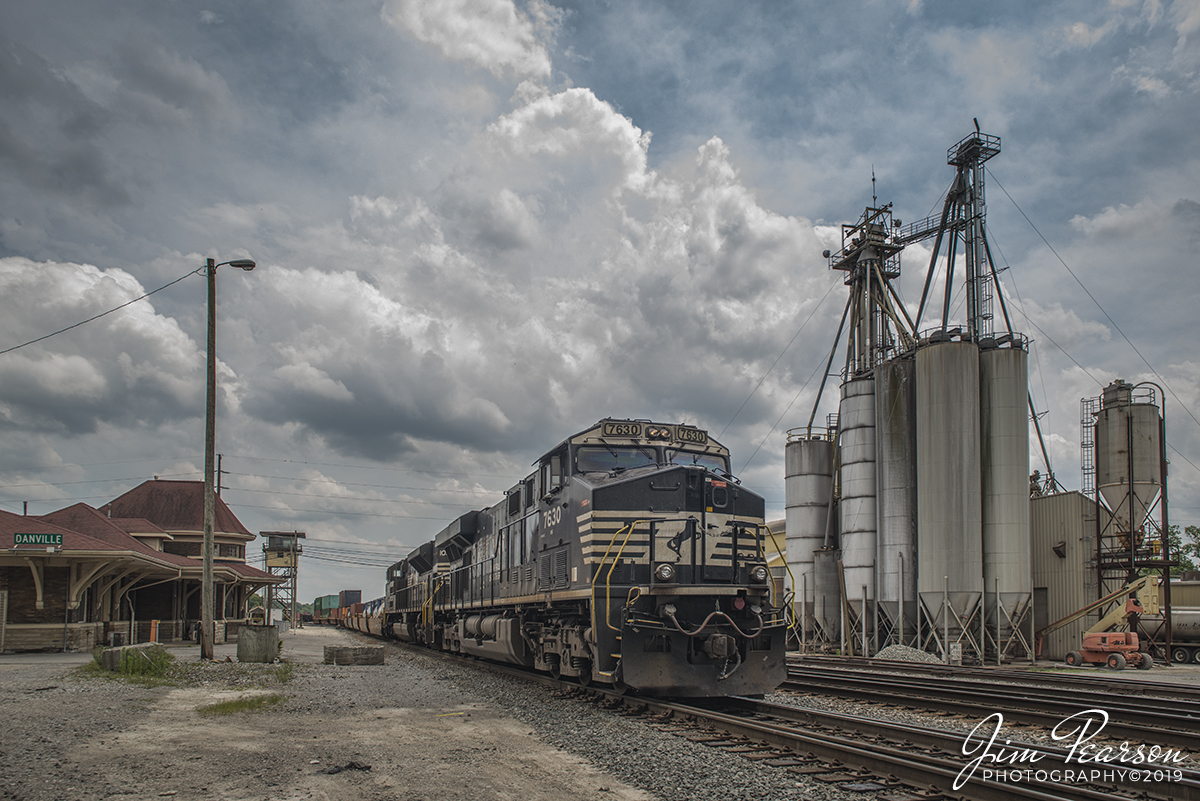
(1096, 679)
(880, 759)
(1170, 722)
(874, 755)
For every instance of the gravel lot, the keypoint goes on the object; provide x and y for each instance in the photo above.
(426, 728)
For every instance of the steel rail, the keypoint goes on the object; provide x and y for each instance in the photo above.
(953, 742)
(1179, 709)
(1088, 678)
(1126, 720)
(894, 763)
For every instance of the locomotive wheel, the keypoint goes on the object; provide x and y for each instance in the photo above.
(1116, 661)
(1181, 655)
(585, 675)
(1196, 656)
(1074, 658)
(1146, 663)
(619, 686)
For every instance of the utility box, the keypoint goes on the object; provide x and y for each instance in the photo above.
(258, 643)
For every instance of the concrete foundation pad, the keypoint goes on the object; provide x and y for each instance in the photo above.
(354, 654)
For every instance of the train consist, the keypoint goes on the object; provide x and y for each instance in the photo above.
(630, 557)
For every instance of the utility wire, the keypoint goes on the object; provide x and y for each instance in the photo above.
(343, 497)
(804, 386)
(325, 480)
(101, 314)
(95, 481)
(777, 358)
(96, 464)
(339, 514)
(1093, 299)
(372, 467)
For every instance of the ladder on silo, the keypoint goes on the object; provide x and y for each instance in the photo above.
(1088, 408)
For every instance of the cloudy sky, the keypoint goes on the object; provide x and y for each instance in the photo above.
(481, 225)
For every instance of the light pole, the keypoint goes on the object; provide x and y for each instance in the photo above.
(210, 439)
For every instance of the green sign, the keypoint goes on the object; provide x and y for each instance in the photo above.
(37, 539)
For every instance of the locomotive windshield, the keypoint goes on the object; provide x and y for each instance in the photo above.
(708, 460)
(602, 459)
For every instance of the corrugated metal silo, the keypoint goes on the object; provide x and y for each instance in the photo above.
(1004, 450)
(949, 505)
(1127, 455)
(808, 486)
(856, 423)
(827, 595)
(896, 574)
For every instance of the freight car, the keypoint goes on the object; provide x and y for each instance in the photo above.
(323, 609)
(365, 617)
(1185, 635)
(630, 557)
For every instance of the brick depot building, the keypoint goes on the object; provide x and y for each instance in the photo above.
(130, 571)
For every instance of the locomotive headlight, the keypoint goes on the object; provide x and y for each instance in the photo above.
(758, 574)
(664, 572)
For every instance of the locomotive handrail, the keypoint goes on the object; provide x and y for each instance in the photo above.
(608, 578)
(608, 586)
(427, 607)
(788, 568)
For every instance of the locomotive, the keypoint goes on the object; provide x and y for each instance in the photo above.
(630, 557)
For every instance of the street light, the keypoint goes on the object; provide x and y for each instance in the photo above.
(207, 634)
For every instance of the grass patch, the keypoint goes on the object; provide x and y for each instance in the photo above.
(147, 668)
(145, 664)
(283, 672)
(253, 703)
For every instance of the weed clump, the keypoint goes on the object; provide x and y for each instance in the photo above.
(250, 703)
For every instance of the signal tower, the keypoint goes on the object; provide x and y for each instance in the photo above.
(282, 550)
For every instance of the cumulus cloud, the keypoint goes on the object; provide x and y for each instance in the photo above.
(494, 34)
(131, 368)
(649, 289)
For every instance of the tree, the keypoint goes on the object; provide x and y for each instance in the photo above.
(1185, 548)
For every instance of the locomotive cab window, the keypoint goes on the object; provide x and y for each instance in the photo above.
(709, 460)
(553, 472)
(603, 458)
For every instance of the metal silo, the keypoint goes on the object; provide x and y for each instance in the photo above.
(1004, 451)
(1127, 455)
(827, 596)
(856, 423)
(808, 488)
(949, 513)
(896, 571)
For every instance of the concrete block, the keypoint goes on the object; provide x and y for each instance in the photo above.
(354, 654)
(257, 643)
(110, 658)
